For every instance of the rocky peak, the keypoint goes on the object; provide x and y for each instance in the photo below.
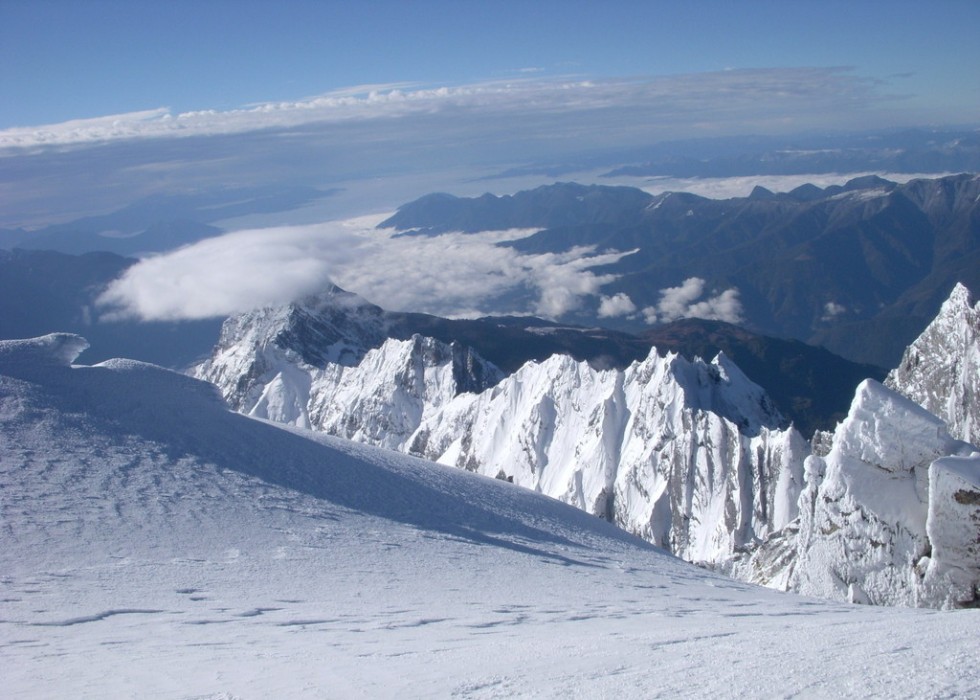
(941, 369)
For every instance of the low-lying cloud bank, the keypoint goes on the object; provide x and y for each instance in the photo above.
(449, 275)
(452, 275)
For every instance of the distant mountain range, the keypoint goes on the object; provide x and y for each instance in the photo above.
(900, 151)
(913, 151)
(859, 268)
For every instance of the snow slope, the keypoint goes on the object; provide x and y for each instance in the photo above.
(156, 545)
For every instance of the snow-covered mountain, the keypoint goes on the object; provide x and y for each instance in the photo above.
(157, 545)
(328, 363)
(691, 456)
(891, 509)
(941, 369)
(688, 455)
(880, 519)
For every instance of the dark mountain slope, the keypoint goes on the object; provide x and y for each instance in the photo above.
(807, 264)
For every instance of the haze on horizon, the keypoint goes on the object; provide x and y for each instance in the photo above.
(373, 104)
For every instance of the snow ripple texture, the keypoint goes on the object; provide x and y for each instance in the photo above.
(157, 545)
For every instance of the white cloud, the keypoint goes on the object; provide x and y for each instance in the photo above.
(832, 310)
(616, 305)
(686, 301)
(774, 99)
(452, 275)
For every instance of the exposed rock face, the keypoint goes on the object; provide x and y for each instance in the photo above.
(941, 369)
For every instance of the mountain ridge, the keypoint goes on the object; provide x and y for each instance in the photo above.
(804, 265)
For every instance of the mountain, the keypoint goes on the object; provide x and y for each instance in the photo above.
(45, 291)
(891, 506)
(895, 151)
(859, 268)
(155, 542)
(690, 455)
(328, 363)
(889, 516)
(546, 207)
(809, 384)
(941, 369)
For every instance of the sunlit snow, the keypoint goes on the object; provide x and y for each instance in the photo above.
(156, 545)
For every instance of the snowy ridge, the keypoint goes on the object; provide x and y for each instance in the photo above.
(335, 327)
(941, 369)
(326, 363)
(691, 456)
(870, 510)
(157, 544)
(688, 455)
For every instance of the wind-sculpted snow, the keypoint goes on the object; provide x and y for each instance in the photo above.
(889, 516)
(53, 350)
(941, 369)
(157, 545)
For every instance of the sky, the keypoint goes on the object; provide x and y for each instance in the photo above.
(62, 60)
(106, 103)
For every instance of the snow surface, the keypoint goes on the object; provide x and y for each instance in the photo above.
(156, 545)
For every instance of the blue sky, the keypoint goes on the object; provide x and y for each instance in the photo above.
(62, 60)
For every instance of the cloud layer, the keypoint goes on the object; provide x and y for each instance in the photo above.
(697, 104)
(449, 275)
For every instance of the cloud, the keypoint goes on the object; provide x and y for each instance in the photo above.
(686, 301)
(713, 103)
(832, 310)
(451, 275)
(616, 305)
